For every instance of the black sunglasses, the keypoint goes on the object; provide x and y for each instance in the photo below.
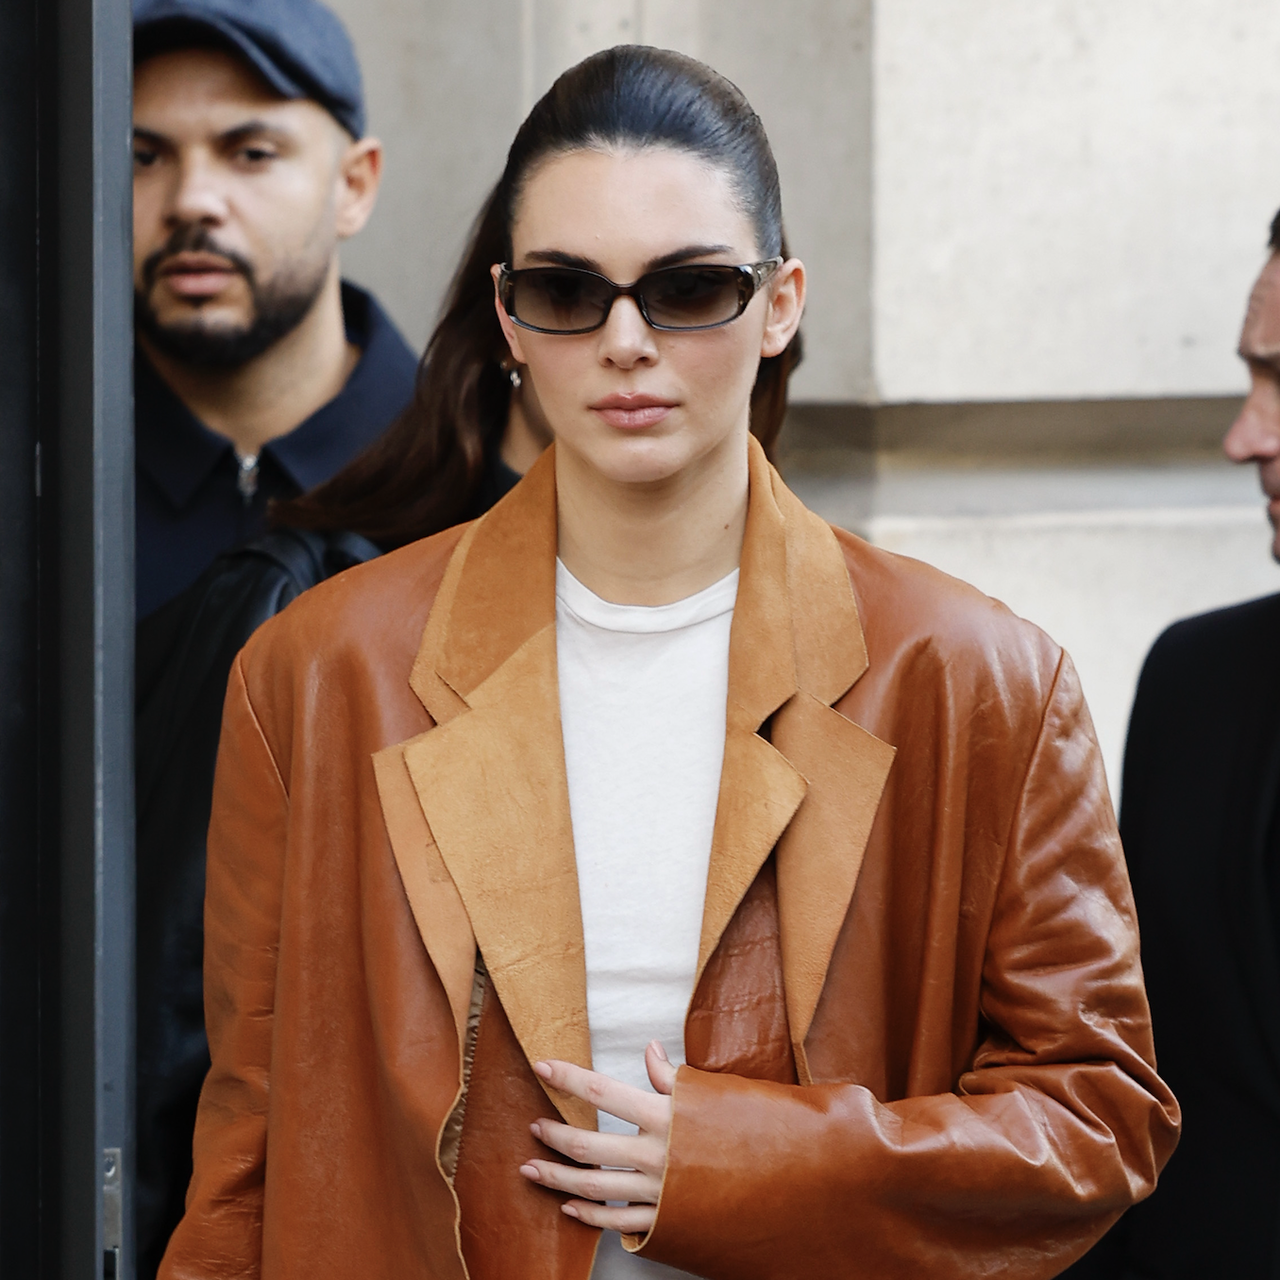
(572, 300)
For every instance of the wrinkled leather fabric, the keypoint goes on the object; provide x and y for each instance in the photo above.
(919, 1042)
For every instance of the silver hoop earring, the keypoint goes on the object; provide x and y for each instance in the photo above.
(514, 374)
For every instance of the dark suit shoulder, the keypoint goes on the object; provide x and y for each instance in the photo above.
(1204, 714)
(1199, 676)
(1238, 633)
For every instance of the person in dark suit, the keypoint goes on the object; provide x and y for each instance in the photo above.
(1200, 821)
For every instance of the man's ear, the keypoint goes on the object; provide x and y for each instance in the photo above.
(510, 331)
(359, 173)
(786, 306)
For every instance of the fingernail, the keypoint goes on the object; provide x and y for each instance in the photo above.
(543, 1069)
(569, 1209)
(661, 1052)
(537, 1133)
(530, 1172)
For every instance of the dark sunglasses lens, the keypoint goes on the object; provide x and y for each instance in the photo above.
(691, 297)
(559, 299)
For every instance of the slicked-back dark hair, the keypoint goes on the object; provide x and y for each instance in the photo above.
(423, 474)
(635, 96)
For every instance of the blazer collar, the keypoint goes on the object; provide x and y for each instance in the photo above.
(796, 624)
(490, 778)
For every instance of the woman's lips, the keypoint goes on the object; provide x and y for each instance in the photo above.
(632, 412)
(635, 419)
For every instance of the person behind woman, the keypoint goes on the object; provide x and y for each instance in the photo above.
(645, 875)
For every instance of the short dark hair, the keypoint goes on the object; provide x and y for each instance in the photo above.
(425, 472)
(1273, 239)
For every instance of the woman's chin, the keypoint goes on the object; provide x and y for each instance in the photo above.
(641, 458)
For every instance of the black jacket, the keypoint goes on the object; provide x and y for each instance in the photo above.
(1199, 822)
(184, 655)
(189, 504)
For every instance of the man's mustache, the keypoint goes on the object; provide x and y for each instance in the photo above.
(193, 239)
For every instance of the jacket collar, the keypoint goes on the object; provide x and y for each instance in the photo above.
(796, 623)
(490, 778)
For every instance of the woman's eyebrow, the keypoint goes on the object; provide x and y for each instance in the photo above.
(687, 254)
(558, 258)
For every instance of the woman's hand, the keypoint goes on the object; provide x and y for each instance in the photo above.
(637, 1162)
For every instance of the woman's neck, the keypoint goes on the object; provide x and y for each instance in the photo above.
(658, 542)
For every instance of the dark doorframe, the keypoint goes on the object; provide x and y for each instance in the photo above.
(66, 640)
(20, 739)
(92, 417)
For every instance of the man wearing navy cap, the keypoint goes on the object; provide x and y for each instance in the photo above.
(259, 374)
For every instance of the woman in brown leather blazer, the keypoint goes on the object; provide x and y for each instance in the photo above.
(453, 790)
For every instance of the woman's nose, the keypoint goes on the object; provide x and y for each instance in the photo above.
(626, 339)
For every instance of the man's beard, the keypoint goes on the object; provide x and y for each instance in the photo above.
(277, 308)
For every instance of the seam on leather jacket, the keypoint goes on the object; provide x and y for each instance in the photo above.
(238, 670)
(1020, 796)
(451, 1132)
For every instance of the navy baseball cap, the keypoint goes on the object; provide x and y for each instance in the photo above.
(300, 47)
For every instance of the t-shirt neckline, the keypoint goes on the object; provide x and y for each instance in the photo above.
(711, 602)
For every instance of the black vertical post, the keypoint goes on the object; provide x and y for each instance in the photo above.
(21, 936)
(87, 414)
(66, 640)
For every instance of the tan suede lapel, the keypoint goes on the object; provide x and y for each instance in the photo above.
(492, 785)
(433, 897)
(490, 778)
(820, 854)
(759, 790)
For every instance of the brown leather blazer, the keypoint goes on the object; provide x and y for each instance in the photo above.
(919, 1043)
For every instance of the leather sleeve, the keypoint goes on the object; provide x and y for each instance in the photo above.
(1058, 1123)
(220, 1237)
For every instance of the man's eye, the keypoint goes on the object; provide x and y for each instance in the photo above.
(144, 159)
(257, 155)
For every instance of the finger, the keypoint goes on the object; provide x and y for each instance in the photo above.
(636, 1106)
(662, 1072)
(593, 1184)
(621, 1150)
(635, 1218)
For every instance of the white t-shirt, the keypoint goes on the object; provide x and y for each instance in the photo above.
(643, 693)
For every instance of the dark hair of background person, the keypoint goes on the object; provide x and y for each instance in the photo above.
(423, 474)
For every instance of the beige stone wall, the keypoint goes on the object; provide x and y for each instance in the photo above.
(1071, 199)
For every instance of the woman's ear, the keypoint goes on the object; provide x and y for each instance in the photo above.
(786, 306)
(509, 330)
